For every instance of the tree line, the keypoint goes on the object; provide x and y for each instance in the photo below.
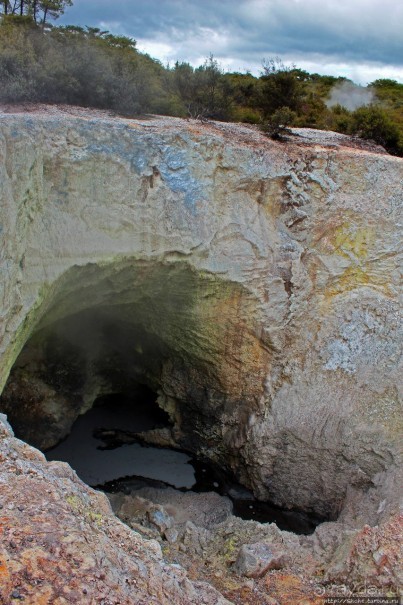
(40, 11)
(40, 62)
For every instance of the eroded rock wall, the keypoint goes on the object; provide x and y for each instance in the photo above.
(268, 271)
(60, 542)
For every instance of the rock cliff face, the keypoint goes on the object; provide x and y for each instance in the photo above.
(253, 284)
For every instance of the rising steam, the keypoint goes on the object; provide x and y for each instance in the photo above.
(350, 96)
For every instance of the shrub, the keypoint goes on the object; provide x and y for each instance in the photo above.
(281, 87)
(373, 123)
(277, 126)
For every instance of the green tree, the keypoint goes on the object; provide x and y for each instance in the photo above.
(340, 119)
(78, 66)
(204, 92)
(39, 10)
(281, 86)
(49, 9)
(277, 126)
(374, 123)
(243, 89)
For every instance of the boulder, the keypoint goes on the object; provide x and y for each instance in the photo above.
(254, 560)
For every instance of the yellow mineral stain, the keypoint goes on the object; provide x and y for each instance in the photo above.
(356, 244)
(356, 277)
(349, 239)
(239, 354)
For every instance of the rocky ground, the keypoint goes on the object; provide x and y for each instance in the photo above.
(254, 562)
(245, 133)
(61, 543)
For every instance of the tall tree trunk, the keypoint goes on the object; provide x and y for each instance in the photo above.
(45, 12)
(21, 7)
(5, 7)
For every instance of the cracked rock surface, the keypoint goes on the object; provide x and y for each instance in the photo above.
(257, 281)
(60, 542)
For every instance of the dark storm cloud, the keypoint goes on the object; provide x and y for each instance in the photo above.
(311, 32)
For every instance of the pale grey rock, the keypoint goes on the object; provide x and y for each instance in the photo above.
(158, 517)
(5, 425)
(254, 560)
(265, 275)
(171, 535)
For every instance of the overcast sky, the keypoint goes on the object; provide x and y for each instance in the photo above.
(359, 39)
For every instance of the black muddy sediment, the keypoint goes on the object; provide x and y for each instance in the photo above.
(107, 452)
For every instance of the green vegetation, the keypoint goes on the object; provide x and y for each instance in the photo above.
(375, 124)
(40, 11)
(40, 62)
(277, 124)
(203, 92)
(77, 66)
(280, 87)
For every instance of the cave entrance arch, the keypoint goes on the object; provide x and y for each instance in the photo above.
(190, 336)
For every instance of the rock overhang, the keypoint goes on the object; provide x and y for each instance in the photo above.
(291, 249)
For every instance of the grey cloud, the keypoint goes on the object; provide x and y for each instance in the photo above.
(248, 30)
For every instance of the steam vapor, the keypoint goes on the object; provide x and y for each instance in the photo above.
(350, 96)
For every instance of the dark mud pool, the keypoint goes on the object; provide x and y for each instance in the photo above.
(105, 449)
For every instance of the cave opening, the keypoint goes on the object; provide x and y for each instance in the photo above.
(106, 443)
(83, 390)
(107, 447)
(129, 385)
